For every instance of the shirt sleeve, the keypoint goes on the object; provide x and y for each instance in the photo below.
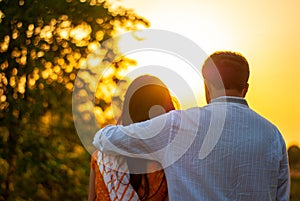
(164, 138)
(283, 188)
(147, 139)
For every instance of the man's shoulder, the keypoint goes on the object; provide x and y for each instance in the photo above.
(190, 111)
(262, 119)
(263, 122)
(190, 114)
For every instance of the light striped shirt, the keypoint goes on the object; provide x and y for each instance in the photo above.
(223, 151)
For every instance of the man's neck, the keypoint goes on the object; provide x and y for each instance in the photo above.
(227, 92)
(232, 99)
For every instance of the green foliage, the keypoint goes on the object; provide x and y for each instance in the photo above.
(42, 44)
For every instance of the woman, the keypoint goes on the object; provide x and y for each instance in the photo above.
(145, 98)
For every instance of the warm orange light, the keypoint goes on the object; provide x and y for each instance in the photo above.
(81, 34)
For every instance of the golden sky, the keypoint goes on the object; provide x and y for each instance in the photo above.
(267, 33)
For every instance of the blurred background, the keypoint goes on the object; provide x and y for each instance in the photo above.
(44, 44)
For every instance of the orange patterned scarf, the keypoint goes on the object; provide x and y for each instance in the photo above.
(115, 174)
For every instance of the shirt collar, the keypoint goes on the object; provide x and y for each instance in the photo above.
(231, 99)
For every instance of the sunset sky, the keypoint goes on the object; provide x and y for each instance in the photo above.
(267, 33)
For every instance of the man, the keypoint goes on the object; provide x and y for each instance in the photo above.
(223, 151)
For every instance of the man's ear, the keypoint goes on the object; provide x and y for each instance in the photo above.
(245, 90)
(207, 94)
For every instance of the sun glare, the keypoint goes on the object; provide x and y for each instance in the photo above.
(183, 81)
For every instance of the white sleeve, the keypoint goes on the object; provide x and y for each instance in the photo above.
(141, 140)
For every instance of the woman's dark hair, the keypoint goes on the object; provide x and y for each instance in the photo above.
(145, 98)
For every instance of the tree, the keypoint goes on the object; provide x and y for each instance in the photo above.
(43, 44)
(294, 156)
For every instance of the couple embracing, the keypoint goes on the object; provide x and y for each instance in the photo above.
(222, 151)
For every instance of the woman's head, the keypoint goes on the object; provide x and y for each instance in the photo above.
(146, 97)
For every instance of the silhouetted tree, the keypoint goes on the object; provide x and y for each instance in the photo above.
(294, 161)
(294, 155)
(42, 45)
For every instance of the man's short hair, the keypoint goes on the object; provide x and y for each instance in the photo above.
(228, 70)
